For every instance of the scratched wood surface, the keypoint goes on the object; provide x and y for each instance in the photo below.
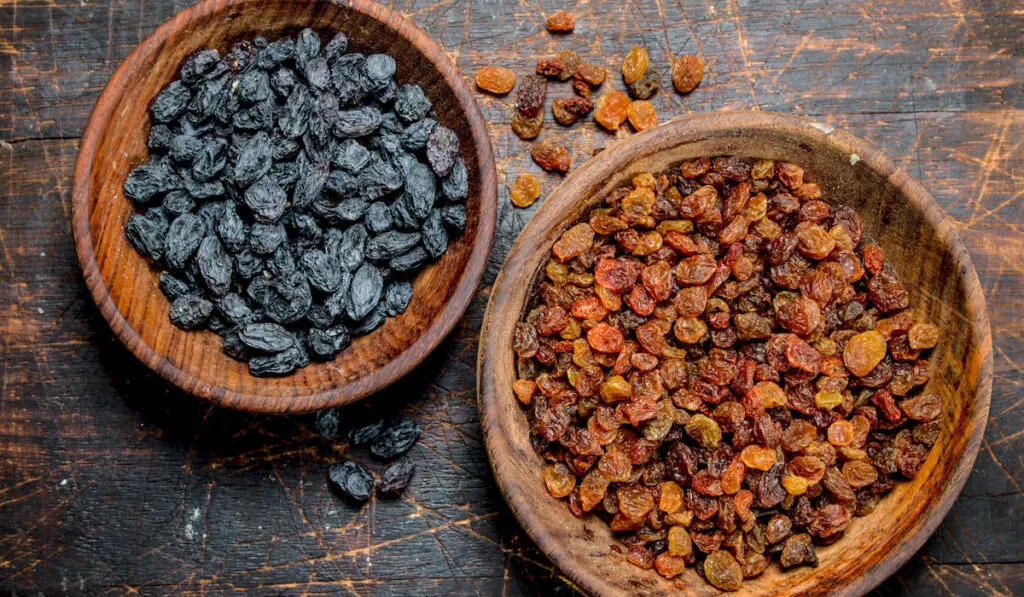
(111, 482)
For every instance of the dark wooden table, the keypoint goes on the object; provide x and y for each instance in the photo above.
(112, 482)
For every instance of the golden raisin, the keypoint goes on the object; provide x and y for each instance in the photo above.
(641, 115)
(559, 480)
(795, 485)
(923, 335)
(611, 109)
(828, 400)
(864, 352)
(573, 242)
(525, 190)
(524, 389)
(561, 22)
(840, 433)
(527, 127)
(634, 65)
(757, 457)
(495, 79)
(671, 499)
(668, 565)
(687, 72)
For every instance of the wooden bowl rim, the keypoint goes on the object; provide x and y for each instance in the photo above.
(413, 354)
(600, 168)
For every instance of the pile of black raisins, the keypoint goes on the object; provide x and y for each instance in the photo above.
(387, 442)
(291, 194)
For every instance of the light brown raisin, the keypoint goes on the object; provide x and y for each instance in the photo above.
(525, 190)
(495, 79)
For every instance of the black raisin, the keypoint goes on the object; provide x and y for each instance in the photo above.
(396, 476)
(365, 291)
(215, 266)
(397, 297)
(183, 238)
(411, 103)
(414, 137)
(147, 233)
(410, 261)
(435, 239)
(173, 287)
(190, 311)
(171, 102)
(395, 440)
(324, 345)
(281, 363)
(266, 199)
(327, 422)
(352, 481)
(266, 238)
(322, 270)
(455, 186)
(391, 244)
(254, 160)
(266, 337)
(288, 298)
(442, 149)
(198, 65)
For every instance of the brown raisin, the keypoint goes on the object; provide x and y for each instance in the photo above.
(561, 22)
(495, 79)
(687, 73)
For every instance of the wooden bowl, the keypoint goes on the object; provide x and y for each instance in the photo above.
(920, 244)
(125, 286)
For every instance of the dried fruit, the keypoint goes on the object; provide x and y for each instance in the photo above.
(712, 366)
(723, 571)
(263, 230)
(612, 109)
(396, 476)
(561, 22)
(551, 157)
(530, 95)
(559, 480)
(863, 352)
(352, 481)
(496, 79)
(634, 65)
(525, 190)
(687, 72)
(641, 115)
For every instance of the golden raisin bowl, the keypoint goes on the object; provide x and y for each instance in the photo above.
(921, 247)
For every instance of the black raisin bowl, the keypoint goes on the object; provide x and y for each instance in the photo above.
(125, 282)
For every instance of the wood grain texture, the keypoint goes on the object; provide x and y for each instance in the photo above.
(125, 285)
(944, 289)
(936, 85)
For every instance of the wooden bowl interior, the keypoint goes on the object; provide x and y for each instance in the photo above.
(194, 360)
(919, 246)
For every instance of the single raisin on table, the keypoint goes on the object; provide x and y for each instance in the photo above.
(525, 190)
(634, 65)
(612, 109)
(352, 481)
(551, 157)
(530, 95)
(641, 115)
(495, 79)
(561, 22)
(717, 368)
(687, 73)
